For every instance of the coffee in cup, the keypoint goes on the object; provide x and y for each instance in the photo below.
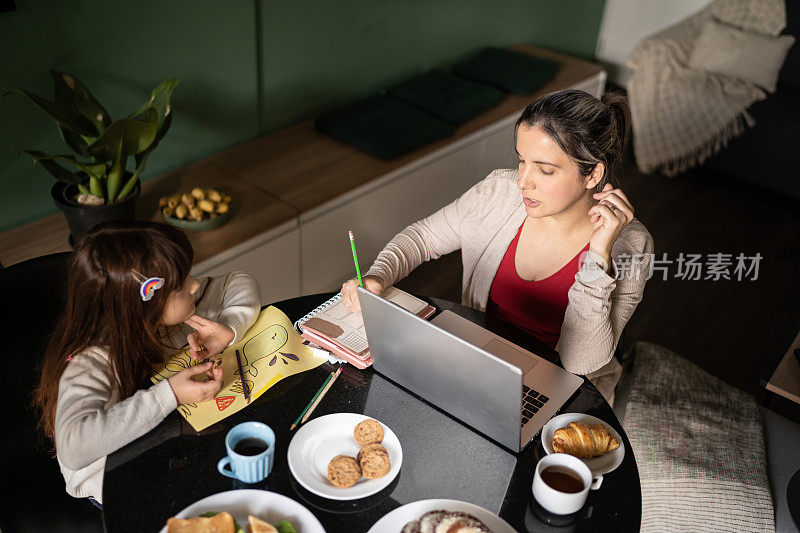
(250, 446)
(561, 483)
(251, 452)
(562, 479)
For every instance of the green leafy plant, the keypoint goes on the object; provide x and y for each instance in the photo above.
(102, 146)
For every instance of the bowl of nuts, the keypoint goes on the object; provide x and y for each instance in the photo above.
(199, 209)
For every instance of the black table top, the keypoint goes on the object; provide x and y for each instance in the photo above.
(172, 466)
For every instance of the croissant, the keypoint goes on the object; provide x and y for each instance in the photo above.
(584, 441)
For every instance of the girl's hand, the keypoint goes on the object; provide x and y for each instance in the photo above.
(373, 284)
(209, 337)
(187, 390)
(609, 216)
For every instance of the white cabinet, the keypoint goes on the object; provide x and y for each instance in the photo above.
(379, 214)
(497, 146)
(272, 258)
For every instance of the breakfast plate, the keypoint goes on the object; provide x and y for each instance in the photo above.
(603, 464)
(322, 439)
(263, 504)
(395, 520)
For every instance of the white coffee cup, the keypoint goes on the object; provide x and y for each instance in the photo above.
(562, 501)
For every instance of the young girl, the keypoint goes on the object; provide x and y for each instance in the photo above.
(130, 300)
(552, 246)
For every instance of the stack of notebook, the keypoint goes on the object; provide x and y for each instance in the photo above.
(334, 328)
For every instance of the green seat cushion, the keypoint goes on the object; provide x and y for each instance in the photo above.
(510, 71)
(383, 127)
(448, 97)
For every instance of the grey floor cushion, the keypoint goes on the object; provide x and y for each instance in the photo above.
(699, 447)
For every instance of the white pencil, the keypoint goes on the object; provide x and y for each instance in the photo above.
(321, 395)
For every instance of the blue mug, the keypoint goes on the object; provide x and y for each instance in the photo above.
(251, 452)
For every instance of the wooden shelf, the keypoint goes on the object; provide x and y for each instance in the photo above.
(279, 176)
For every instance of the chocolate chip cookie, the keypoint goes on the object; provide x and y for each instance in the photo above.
(368, 432)
(374, 464)
(344, 471)
(369, 448)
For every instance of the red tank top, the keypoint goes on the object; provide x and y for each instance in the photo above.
(536, 306)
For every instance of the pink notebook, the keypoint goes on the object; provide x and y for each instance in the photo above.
(341, 332)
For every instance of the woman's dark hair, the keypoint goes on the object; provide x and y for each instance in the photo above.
(589, 130)
(104, 307)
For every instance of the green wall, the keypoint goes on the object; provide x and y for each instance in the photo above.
(319, 54)
(246, 67)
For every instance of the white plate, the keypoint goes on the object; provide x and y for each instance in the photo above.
(265, 505)
(401, 516)
(322, 439)
(598, 465)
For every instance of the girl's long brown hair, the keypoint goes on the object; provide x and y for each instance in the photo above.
(104, 308)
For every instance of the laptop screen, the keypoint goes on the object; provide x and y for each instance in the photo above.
(477, 388)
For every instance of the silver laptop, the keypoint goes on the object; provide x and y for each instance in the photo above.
(487, 382)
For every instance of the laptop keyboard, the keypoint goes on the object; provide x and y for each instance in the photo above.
(532, 401)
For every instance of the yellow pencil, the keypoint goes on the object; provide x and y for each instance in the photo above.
(321, 395)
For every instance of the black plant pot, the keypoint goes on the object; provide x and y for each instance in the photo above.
(82, 218)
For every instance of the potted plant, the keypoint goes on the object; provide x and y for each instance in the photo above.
(96, 186)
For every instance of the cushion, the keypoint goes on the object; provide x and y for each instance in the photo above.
(760, 16)
(729, 51)
(448, 97)
(699, 447)
(510, 71)
(383, 127)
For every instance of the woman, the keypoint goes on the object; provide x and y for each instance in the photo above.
(552, 246)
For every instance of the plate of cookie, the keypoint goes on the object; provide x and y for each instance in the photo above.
(344, 456)
(586, 437)
(441, 515)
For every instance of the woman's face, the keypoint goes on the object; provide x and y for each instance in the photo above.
(549, 180)
(180, 303)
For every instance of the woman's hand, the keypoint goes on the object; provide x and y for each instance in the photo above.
(609, 216)
(373, 284)
(187, 390)
(209, 337)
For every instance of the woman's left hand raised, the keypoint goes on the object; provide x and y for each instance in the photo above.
(613, 212)
(209, 337)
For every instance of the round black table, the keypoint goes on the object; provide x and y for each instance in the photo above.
(172, 466)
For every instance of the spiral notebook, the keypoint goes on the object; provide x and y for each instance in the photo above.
(334, 328)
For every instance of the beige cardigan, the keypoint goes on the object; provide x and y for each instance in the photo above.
(91, 421)
(482, 222)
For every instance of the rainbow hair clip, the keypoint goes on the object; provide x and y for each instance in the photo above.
(148, 285)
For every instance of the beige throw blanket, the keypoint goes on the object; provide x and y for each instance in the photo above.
(680, 115)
